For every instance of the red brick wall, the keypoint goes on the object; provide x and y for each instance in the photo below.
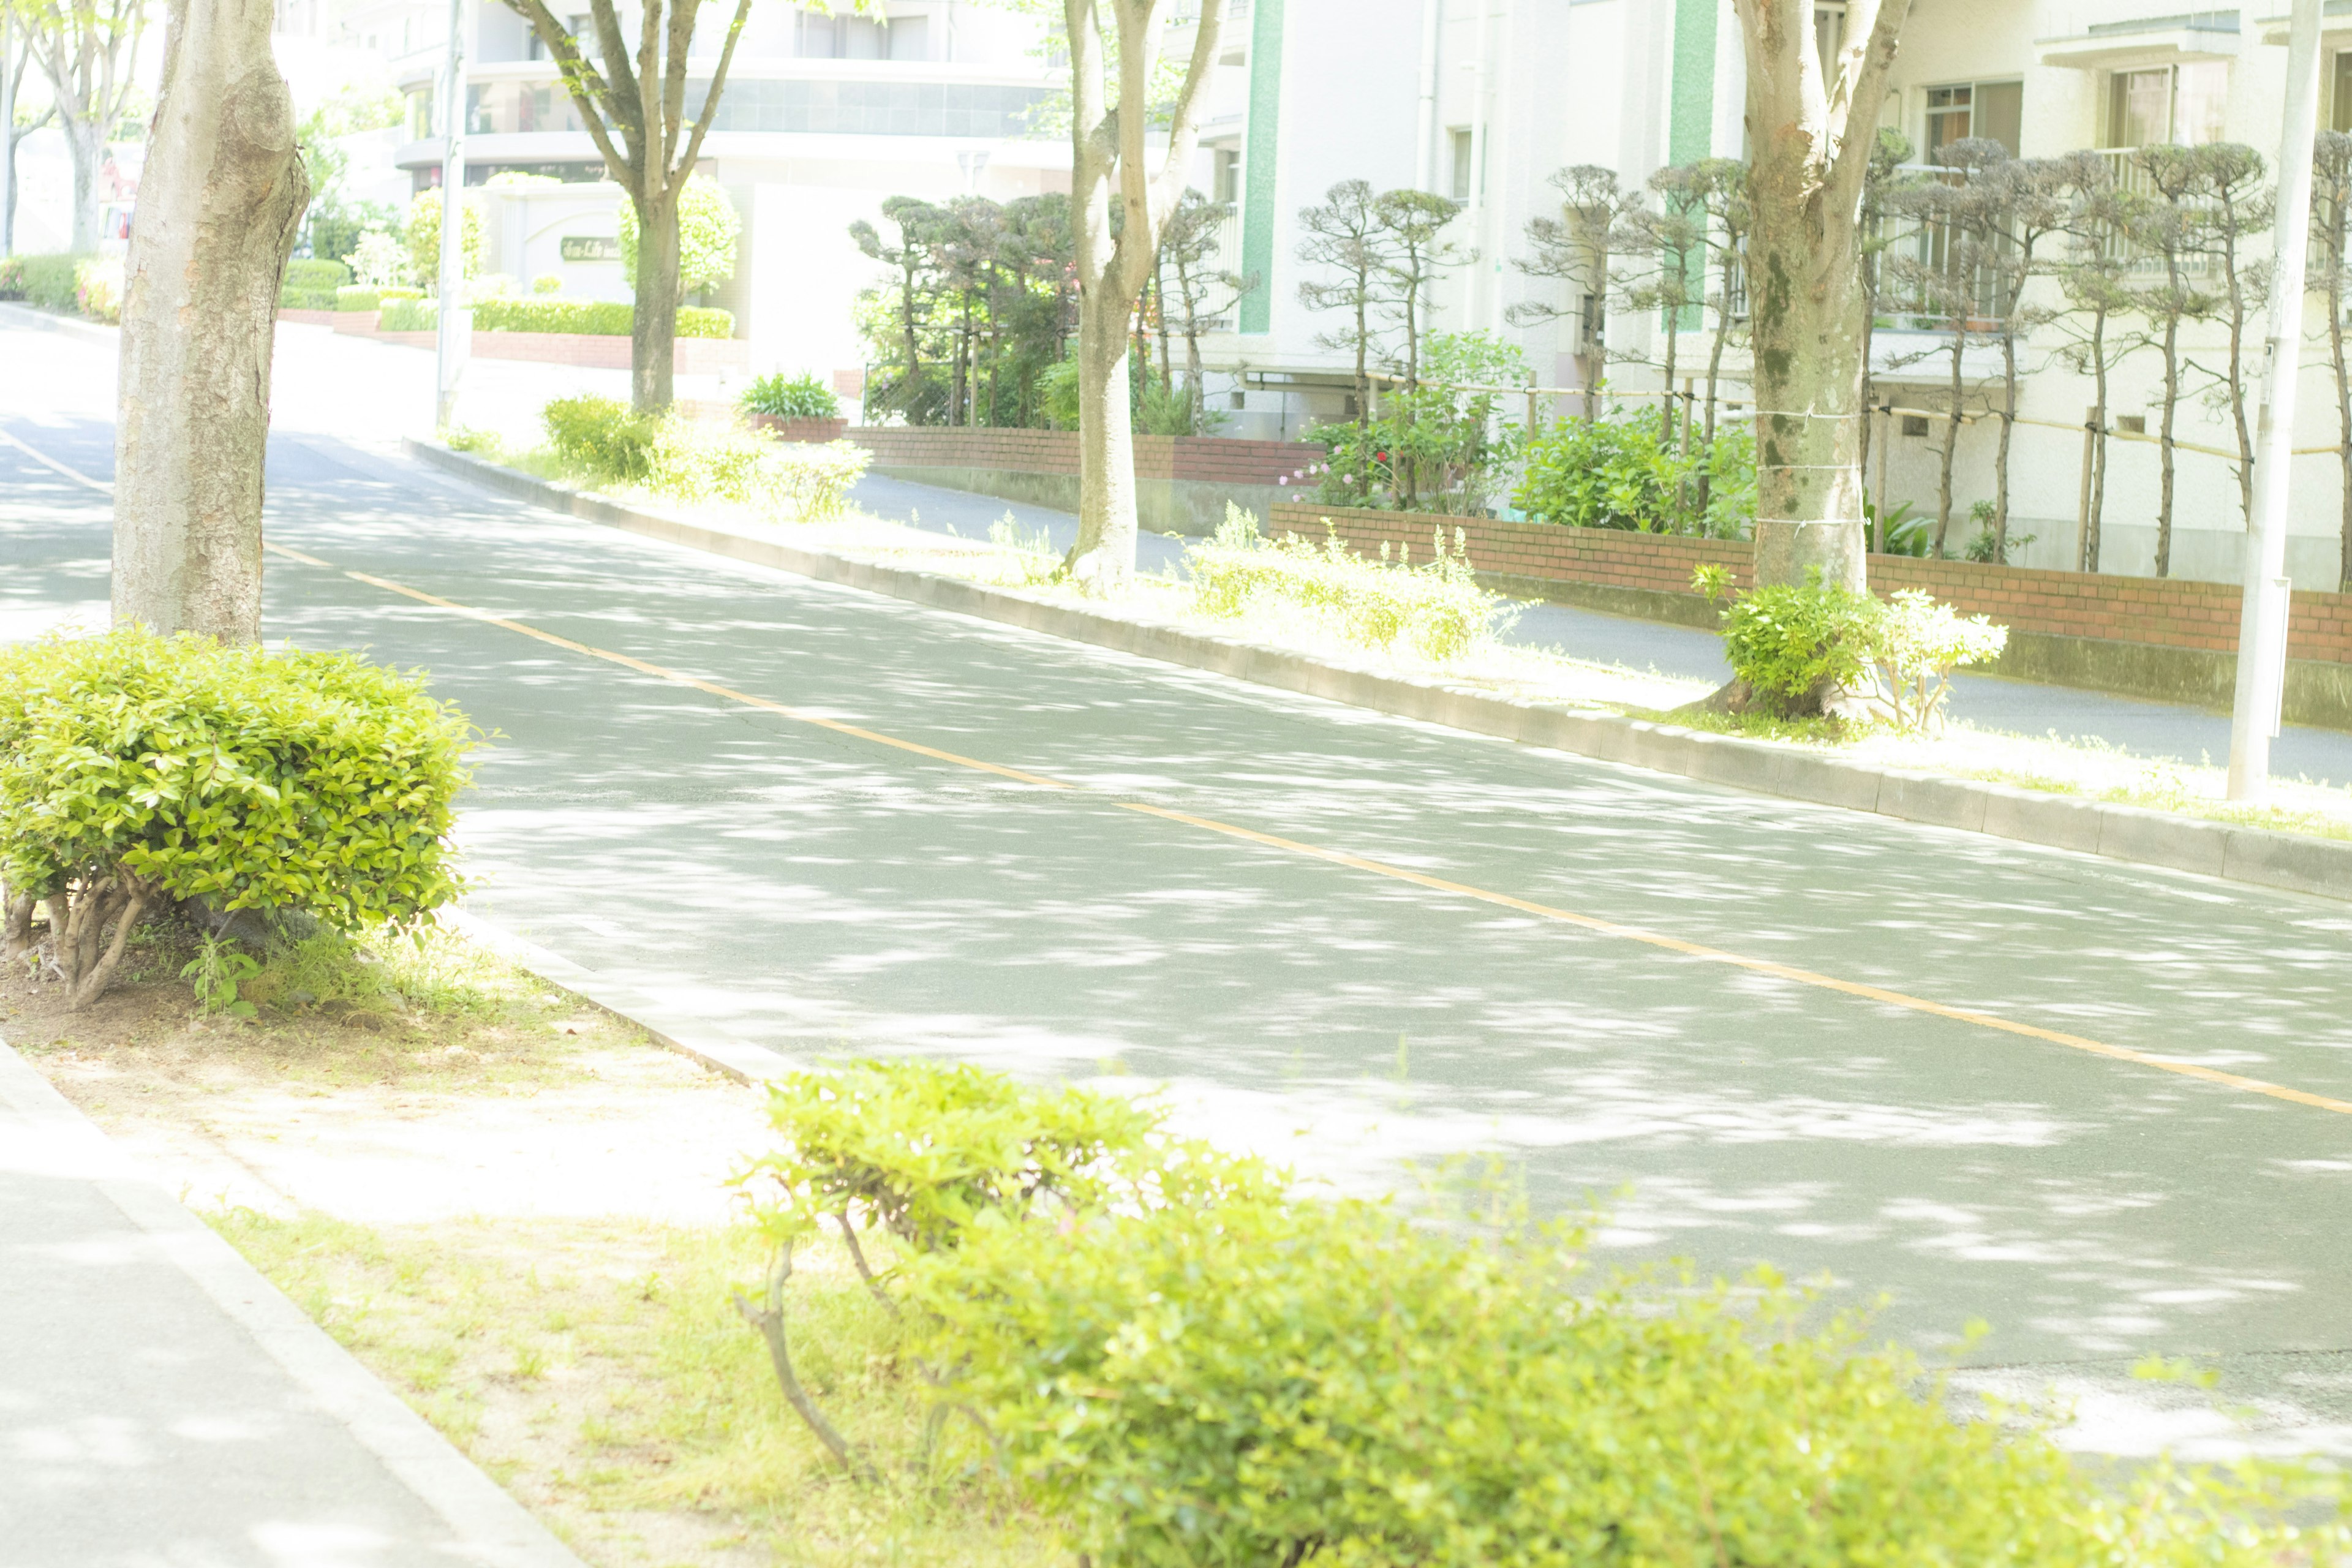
(2168, 612)
(588, 351)
(1210, 458)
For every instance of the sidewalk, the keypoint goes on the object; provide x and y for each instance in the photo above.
(161, 1403)
(2145, 728)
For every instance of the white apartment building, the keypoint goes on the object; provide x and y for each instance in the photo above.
(823, 118)
(1483, 100)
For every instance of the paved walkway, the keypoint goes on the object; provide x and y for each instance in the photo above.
(794, 887)
(162, 1403)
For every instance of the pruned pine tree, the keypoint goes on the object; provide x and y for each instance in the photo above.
(1886, 175)
(1720, 185)
(1115, 42)
(2095, 278)
(1202, 293)
(914, 219)
(2028, 211)
(635, 107)
(1813, 125)
(1346, 235)
(2171, 228)
(1576, 248)
(88, 50)
(1662, 247)
(2238, 209)
(220, 203)
(2331, 231)
(1419, 254)
(1949, 279)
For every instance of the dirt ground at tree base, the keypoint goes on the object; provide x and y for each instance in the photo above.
(484, 1196)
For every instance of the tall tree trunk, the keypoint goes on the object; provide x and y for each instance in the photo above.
(1107, 514)
(2090, 562)
(221, 200)
(2000, 456)
(86, 140)
(1811, 143)
(2164, 445)
(653, 326)
(2343, 412)
(1951, 440)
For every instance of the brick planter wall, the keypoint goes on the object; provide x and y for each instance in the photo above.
(817, 430)
(1206, 459)
(591, 351)
(2200, 617)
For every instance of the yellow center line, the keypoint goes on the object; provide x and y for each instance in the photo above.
(1418, 878)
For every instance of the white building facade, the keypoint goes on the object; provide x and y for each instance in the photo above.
(1485, 99)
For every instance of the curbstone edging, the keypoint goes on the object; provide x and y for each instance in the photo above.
(2258, 856)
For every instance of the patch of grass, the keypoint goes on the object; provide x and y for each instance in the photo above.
(600, 1368)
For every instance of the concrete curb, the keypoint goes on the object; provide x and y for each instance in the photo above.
(16, 315)
(2294, 862)
(493, 1529)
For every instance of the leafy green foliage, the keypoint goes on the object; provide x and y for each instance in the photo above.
(1914, 646)
(97, 287)
(47, 282)
(804, 396)
(920, 1149)
(312, 285)
(595, 318)
(310, 782)
(1619, 472)
(1438, 609)
(1787, 641)
(422, 229)
(709, 234)
(218, 970)
(1266, 1381)
(1434, 446)
(413, 315)
(359, 297)
(600, 436)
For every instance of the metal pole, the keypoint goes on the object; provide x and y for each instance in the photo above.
(2262, 633)
(455, 337)
(7, 127)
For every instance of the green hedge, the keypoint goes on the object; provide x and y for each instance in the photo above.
(312, 285)
(593, 318)
(49, 282)
(409, 316)
(356, 297)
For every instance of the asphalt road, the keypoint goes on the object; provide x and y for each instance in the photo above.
(821, 893)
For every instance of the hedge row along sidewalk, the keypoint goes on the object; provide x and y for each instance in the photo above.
(2294, 862)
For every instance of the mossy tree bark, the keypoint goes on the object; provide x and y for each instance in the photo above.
(1813, 131)
(1111, 161)
(220, 201)
(635, 108)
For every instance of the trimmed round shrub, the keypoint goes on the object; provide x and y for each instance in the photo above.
(601, 435)
(138, 769)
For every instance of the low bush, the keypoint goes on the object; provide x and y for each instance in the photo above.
(1618, 473)
(97, 287)
(358, 297)
(136, 769)
(1437, 610)
(412, 315)
(1795, 645)
(795, 397)
(1175, 1361)
(312, 285)
(699, 460)
(50, 282)
(595, 318)
(600, 437)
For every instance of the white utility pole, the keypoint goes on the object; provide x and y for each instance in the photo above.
(7, 122)
(2261, 628)
(454, 339)
(1424, 159)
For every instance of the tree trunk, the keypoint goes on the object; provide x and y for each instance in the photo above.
(653, 326)
(221, 201)
(1951, 441)
(2090, 562)
(2343, 414)
(2000, 458)
(86, 140)
(1104, 556)
(1804, 269)
(2163, 447)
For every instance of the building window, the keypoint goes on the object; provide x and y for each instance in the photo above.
(1465, 146)
(1992, 109)
(420, 114)
(2185, 104)
(1829, 33)
(1225, 185)
(2339, 114)
(911, 38)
